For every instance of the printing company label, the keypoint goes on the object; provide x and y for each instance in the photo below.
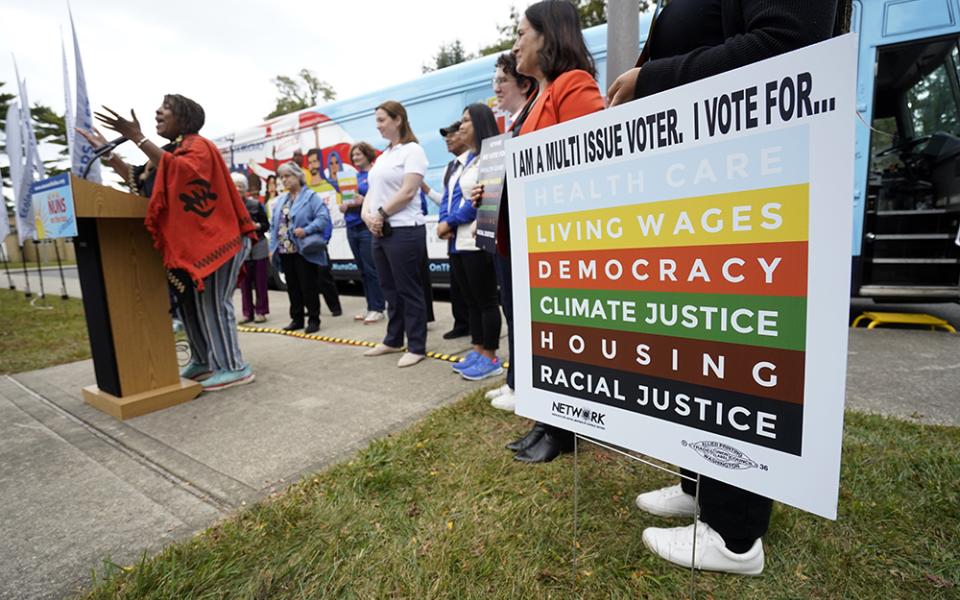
(722, 455)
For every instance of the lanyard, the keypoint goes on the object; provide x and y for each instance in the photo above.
(456, 188)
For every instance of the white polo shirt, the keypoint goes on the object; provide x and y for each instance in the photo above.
(386, 178)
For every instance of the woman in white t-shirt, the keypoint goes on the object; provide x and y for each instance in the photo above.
(391, 210)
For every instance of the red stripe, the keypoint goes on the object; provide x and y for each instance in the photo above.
(572, 270)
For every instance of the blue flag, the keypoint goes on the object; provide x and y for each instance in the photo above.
(82, 152)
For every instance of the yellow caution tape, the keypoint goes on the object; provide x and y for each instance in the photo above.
(453, 358)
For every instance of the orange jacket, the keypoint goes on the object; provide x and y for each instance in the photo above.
(195, 214)
(571, 95)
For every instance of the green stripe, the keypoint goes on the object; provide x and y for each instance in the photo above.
(789, 321)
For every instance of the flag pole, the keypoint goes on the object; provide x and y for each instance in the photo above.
(26, 275)
(63, 282)
(6, 266)
(36, 249)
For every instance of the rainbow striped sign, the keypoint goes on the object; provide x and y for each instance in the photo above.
(682, 269)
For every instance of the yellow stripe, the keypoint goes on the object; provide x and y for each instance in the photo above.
(777, 214)
(332, 340)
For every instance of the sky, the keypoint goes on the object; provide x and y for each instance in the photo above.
(224, 54)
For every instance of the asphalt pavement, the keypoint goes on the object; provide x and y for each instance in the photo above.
(78, 487)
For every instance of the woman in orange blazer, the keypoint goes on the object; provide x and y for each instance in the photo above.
(549, 48)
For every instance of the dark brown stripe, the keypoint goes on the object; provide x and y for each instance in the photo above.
(760, 421)
(739, 360)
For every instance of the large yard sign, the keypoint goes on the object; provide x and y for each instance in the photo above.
(682, 273)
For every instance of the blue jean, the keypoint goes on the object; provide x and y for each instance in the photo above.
(361, 244)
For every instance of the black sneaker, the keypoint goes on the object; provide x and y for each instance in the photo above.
(293, 326)
(312, 327)
(456, 333)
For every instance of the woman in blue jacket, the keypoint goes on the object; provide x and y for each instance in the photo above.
(299, 232)
(472, 267)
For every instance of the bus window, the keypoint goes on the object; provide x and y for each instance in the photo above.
(932, 102)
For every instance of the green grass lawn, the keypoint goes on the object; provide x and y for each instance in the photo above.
(37, 333)
(442, 511)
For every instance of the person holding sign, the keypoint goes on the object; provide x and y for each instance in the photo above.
(514, 92)
(511, 89)
(694, 39)
(550, 49)
(472, 267)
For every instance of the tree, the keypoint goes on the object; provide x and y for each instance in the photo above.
(592, 13)
(50, 128)
(449, 54)
(507, 35)
(299, 92)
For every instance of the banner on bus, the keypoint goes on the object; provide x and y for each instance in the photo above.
(682, 273)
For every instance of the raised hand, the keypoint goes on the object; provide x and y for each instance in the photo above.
(94, 137)
(128, 129)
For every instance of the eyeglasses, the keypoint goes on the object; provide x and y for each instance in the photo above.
(500, 80)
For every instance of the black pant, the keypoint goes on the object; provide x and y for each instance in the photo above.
(458, 304)
(399, 259)
(475, 275)
(328, 288)
(303, 287)
(505, 279)
(427, 286)
(739, 516)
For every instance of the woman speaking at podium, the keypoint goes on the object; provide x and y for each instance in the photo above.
(199, 224)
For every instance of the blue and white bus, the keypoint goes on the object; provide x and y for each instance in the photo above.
(907, 184)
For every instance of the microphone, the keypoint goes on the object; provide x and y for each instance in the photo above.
(104, 149)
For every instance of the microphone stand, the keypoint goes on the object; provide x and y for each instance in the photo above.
(104, 149)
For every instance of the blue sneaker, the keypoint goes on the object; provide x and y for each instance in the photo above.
(222, 380)
(467, 361)
(482, 368)
(196, 371)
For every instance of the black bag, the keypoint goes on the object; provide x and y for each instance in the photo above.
(312, 243)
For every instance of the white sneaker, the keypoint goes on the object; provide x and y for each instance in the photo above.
(505, 401)
(503, 389)
(409, 359)
(668, 502)
(676, 546)
(372, 317)
(381, 349)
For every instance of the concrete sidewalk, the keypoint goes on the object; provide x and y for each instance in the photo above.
(78, 487)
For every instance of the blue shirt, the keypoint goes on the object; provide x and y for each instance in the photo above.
(455, 210)
(352, 216)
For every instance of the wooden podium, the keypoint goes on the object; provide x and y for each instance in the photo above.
(126, 305)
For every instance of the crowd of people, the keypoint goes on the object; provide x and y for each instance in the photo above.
(549, 77)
